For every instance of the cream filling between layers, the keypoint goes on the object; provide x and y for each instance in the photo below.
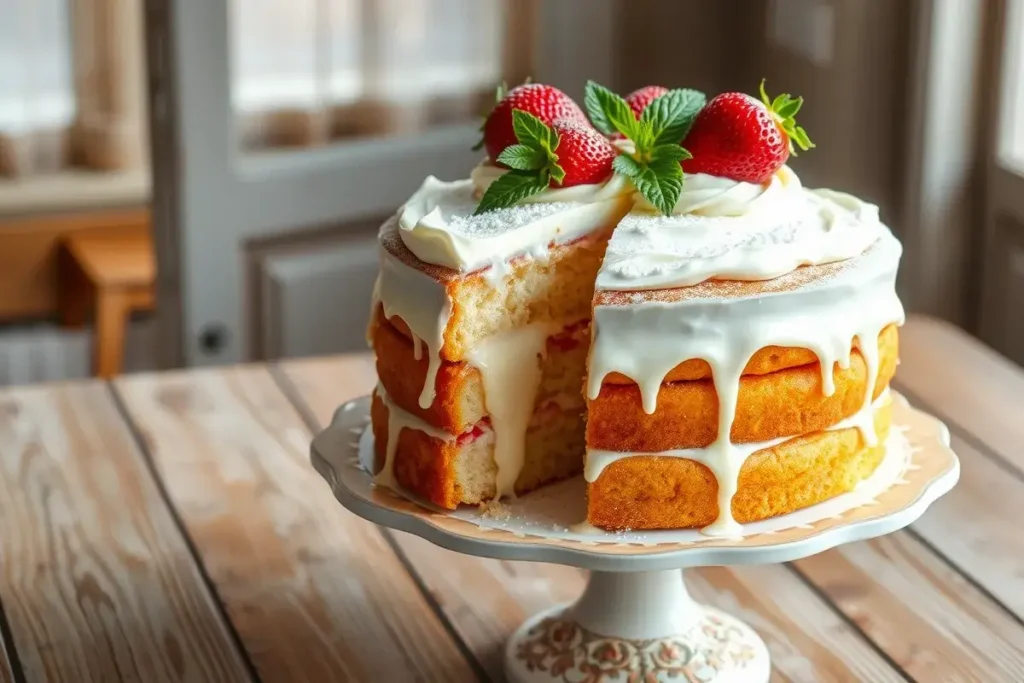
(509, 366)
(646, 340)
(863, 421)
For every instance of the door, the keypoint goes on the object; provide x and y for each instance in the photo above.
(1002, 295)
(264, 215)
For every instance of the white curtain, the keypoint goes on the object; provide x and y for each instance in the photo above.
(308, 71)
(304, 72)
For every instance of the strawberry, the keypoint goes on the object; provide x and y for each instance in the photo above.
(639, 99)
(566, 153)
(736, 136)
(545, 102)
(583, 153)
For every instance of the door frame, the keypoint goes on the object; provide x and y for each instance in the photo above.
(206, 200)
(945, 157)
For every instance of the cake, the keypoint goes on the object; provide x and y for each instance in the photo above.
(648, 297)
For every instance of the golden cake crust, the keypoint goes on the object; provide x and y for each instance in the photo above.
(783, 403)
(459, 401)
(652, 492)
(423, 463)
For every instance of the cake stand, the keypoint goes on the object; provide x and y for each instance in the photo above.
(635, 622)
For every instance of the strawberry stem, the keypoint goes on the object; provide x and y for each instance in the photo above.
(784, 109)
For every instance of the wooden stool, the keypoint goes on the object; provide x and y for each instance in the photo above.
(113, 271)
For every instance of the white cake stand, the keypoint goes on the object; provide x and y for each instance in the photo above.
(635, 622)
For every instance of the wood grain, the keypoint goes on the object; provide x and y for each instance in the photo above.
(920, 611)
(966, 383)
(485, 600)
(315, 594)
(6, 672)
(977, 525)
(97, 582)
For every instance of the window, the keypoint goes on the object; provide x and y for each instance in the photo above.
(1011, 138)
(309, 71)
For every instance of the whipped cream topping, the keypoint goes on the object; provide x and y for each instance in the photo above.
(438, 226)
(737, 231)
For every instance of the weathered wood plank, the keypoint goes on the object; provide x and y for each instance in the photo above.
(485, 600)
(97, 582)
(315, 594)
(920, 611)
(971, 385)
(977, 526)
(6, 667)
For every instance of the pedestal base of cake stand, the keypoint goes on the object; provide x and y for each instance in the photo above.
(660, 634)
(635, 622)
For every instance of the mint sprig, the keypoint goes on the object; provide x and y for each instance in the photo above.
(533, 161)
(654, 166)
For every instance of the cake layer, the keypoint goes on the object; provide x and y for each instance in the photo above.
(783, 403)
(659, 492)
(550, 285)
(451, 470)
(459, 400)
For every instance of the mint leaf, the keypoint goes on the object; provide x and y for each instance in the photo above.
(509, 189)
(644, 136)
(523, 157)
(671, 152)
(627, 166)
(532, 131)
(608, 112)
(673, 113)
(661, 182)
(595, 110)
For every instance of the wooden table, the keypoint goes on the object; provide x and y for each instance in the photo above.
(168, 527)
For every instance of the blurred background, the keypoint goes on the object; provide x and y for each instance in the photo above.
(190, 183)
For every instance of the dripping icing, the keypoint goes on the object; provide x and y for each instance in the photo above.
(398, 420)
(599, 460)
(825, 316)
(423, 304)
(509, 365)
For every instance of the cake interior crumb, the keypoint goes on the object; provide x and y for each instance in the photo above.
(496, 510)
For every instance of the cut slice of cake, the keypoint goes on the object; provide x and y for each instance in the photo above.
(481, 351)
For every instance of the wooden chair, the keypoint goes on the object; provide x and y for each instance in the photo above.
(112, 272)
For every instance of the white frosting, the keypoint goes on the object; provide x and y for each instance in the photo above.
(423, 304)
(644, 341)
(509, 365)
(438, 226)
(754, 233)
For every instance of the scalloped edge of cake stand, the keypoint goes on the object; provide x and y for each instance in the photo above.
(635, 620)
(932, 470)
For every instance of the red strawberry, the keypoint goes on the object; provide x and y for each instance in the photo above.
(736, 136)
(545, 102)
(639, 99)
(583, 153)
